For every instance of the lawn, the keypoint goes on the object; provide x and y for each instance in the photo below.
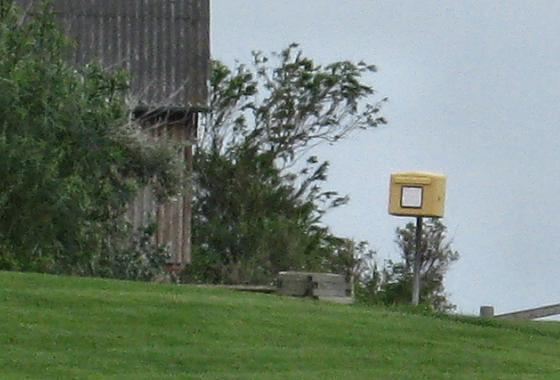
(75, 328)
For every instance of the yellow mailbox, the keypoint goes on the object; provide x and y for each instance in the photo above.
(417, 194)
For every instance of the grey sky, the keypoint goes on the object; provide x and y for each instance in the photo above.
(474, 90)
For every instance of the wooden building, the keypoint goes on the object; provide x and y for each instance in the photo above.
(164, 45)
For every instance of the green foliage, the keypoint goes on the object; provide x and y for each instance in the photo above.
(249, 224)
(392, 284)
(70, 156)
(254, 214)
(286, 106)
(137, 259)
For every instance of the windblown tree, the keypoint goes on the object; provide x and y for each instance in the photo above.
(436, 257)
(70, 157)
(259, 196)
(393, 283)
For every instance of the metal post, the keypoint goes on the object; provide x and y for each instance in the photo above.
(417, 263)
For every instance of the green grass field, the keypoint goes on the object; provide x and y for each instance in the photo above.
(75, 328)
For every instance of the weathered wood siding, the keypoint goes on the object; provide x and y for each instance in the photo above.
(164, 44)
(174, 217)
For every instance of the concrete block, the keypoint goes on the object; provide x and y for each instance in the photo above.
(328, 286)
(486, 311)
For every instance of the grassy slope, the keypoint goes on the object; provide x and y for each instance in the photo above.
(63, 328)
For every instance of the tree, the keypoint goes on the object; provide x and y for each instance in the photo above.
(258, 199)
(393, 283)
(71, 158)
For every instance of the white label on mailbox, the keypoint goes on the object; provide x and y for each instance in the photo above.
(411, 197)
